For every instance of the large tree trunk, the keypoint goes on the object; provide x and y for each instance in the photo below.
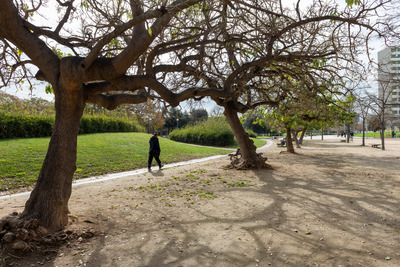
(383, 135)
(302, 135)
(249, 158)
(289, 143)
(48, 202)
(295, 134)
(347, 133)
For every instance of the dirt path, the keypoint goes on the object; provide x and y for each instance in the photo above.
(332, 204)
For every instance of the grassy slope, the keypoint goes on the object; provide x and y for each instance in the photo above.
(21, 159)
(376, 135)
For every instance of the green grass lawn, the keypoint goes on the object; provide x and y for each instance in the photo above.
(257, 142)
(376, 135)
(21, 159)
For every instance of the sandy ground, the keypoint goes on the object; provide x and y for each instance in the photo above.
(331, 204)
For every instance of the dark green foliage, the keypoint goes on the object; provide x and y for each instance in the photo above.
(19, 126)
(90, 124)
(25, 126)
(197, 115)
(251, 133)
(21, 118)
(251, 123)
(213, 132)
(172, 116)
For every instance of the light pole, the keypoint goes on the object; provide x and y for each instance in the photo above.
(177, 123)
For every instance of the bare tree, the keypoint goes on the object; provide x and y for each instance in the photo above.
(240, 54)
(363, 106)
(103, 67)
(381, 104)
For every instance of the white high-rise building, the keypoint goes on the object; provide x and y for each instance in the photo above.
(389, 79)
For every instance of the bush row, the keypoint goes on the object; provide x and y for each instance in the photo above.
(107, 124)
(213, 132)
(19, 126)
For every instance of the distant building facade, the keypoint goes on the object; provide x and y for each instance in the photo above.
(389, 80)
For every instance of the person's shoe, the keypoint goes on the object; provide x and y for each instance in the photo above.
(149, 169)
(162, 165)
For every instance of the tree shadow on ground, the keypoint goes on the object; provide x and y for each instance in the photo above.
(341, 210)
(333, 216)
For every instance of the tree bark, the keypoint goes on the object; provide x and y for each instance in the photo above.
(383, 134)
(289, 144)
(363, 137)
(295, 134)
(48, 202)
(249, 158)
(302, 135)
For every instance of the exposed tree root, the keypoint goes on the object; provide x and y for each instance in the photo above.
(240, 163)
(21, 236)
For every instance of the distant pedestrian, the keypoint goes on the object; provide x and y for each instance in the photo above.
(393, 134)
(154, 151)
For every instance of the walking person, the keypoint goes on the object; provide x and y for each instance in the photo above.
(154, 151)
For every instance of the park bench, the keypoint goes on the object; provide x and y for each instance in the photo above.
(238, 154)
(376, 145)
(235, 155)
(282, 143)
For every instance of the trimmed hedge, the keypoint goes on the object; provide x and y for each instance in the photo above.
(213, 132)
(105, 125)
(19, 126)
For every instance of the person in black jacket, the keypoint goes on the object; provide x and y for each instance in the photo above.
(154, 151)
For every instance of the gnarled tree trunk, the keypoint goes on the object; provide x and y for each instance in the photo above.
(249, 157)
(289, 144)
(295, 134)
(48, 202)
(302, 135)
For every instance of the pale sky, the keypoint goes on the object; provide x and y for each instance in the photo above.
(376, 46)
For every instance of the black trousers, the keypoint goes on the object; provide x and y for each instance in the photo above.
(157, 158)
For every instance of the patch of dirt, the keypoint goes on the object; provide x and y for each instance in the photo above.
(330, 204)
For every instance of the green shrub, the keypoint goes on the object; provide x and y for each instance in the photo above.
(25, 126)
(96, 124)
(213, 132)
(251, 133)
(19, 126)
